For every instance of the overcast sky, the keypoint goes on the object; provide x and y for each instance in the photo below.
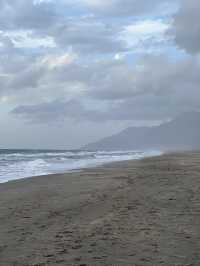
(73, 71)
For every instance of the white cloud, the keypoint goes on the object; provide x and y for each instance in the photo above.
(26, 39)
(142, 31)
(147, 27)
(55, 61)
(119, 56)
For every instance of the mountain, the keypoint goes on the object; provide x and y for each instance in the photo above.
(181, 133)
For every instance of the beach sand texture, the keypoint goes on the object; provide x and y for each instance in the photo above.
(134, 213)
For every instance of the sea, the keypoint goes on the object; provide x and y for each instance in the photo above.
(17, 164)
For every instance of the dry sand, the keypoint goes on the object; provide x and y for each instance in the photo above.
(135, 213)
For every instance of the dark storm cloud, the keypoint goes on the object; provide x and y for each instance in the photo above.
(55, 111)
(151, 75)
(186, 26)
(18, 71)
(89, 36)
(46, 112)
(151, 92)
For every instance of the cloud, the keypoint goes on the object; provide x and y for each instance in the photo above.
(18, 72)
(44, 24)
(90, 63)
(122, 92)
(89, 36)
(53, 61)
(48, 111)
(186, 26)
(123, 7)
(145, 35)
(28, 40)
(36, 78)
(55, 111)
(84, 62)
(23, 14)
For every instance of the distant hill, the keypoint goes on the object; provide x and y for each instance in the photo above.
(180, 133)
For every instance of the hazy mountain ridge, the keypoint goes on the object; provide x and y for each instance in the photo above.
(181, 133)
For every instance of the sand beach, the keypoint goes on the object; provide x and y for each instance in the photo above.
(133, 213)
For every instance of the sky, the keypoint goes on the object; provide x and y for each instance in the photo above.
(74, 71)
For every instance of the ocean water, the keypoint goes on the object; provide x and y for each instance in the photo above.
(17, 164)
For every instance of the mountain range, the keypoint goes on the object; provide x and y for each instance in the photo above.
(181, 133)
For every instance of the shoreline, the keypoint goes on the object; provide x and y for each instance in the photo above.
(97, 165)
(39, 165)
(139, 212)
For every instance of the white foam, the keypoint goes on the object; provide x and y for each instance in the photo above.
(21, 165)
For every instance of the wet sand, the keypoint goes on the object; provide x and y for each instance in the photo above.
(134, 213)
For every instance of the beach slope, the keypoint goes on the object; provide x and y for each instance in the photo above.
(130, 213)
